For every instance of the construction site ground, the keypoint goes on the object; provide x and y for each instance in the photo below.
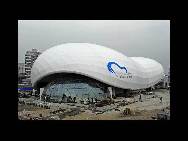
(145, 109)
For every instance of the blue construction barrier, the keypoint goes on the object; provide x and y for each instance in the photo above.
(25, 89)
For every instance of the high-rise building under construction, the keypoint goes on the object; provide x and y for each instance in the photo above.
(30, 58)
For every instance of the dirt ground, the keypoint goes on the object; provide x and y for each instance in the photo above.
(140, 115)
(145, 110)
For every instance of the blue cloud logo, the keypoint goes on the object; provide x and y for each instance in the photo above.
(109, 66)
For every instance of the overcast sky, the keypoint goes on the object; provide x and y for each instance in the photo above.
(147, 38)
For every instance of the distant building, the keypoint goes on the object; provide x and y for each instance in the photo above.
(21, 72)
(166, 81)
(21, 68)
(169, 76)
(30, 58)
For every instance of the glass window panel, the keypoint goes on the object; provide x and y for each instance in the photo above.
(83, 88)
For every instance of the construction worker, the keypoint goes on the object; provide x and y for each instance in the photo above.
(140, 98)
(161, 99)
(74, 99)
(69, 99)
(96, 100)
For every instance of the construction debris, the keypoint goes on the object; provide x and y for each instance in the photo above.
(105, 102)
(35, 109)
(127, 111)
(54, 118)
(163, 116)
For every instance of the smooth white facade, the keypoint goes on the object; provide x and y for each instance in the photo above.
(98, 62)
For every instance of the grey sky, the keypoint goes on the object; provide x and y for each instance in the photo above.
(147, 38)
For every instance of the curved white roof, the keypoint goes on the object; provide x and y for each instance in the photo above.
(98, 62)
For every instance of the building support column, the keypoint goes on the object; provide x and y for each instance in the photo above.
(37, 92)
(41, 91)
(111, 91)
